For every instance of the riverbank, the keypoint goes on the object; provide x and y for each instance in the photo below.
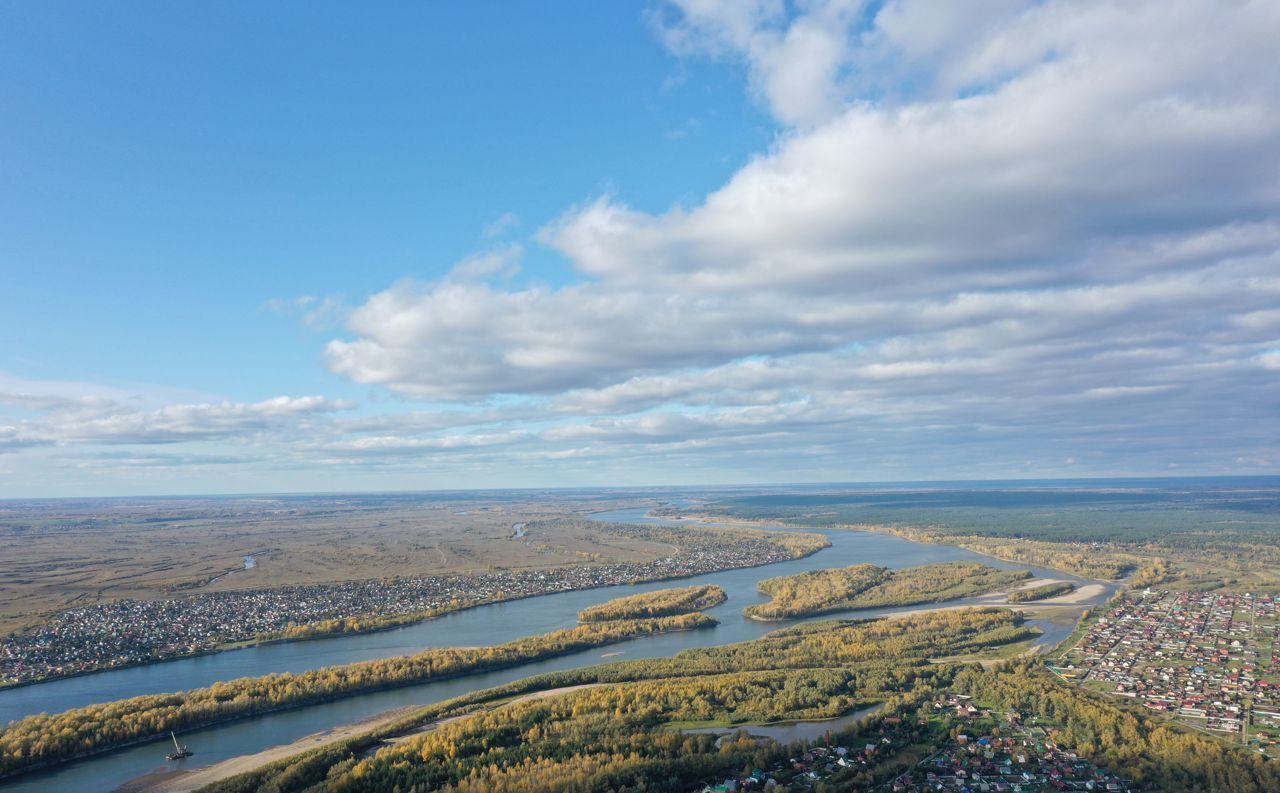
(183, 781)
(179, 780)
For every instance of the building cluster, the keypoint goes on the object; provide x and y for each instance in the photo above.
(997, 753)
(1020, 760)
(1207, 659)
(127, 632)
(806, 768)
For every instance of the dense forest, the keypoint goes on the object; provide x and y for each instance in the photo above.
(44, 739)
(1042, 592)
(1200, 537)
(1060, 514)
(662, 603)
(868, 586)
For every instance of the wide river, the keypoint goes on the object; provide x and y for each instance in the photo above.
(484, 625)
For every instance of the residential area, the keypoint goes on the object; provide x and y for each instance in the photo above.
(1207, 659)
(996, 753)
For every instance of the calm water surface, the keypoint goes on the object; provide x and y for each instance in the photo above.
(484, 625)
(792, 731)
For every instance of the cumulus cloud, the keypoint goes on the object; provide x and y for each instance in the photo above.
(796, 62)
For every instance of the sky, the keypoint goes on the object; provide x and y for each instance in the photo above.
(292, 246)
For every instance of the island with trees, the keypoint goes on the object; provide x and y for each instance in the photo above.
(660, 603)
(1043, 592)
(869, 586)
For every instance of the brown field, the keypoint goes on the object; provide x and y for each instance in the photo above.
(60, 554)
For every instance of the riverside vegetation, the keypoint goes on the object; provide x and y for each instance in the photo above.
(868, 586)
(662, 603)
(42, 739)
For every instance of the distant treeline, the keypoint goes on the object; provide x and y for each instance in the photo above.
(1197, 537)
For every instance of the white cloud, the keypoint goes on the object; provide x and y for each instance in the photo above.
(96, 420)
(501, 225)
(796, 63)
(313, 311)
(501, 262)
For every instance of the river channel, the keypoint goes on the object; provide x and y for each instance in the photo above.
(484, 625)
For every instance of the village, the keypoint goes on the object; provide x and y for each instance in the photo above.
(996, 752)
(1207, 659)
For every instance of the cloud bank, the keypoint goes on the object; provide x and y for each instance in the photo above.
(1051, 218)
(989, 238)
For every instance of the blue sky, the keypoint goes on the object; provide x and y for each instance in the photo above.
(300, 247)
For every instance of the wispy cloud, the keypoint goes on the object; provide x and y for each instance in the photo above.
(320, 313)
(501, 226)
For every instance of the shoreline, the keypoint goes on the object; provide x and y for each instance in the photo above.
(178, 780)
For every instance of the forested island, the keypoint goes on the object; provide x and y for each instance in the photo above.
(867, 586)
(661, 603)
(1042, 592)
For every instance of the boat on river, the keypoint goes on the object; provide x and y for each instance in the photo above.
(179, 750)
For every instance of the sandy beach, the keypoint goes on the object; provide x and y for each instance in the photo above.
(186, 781)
